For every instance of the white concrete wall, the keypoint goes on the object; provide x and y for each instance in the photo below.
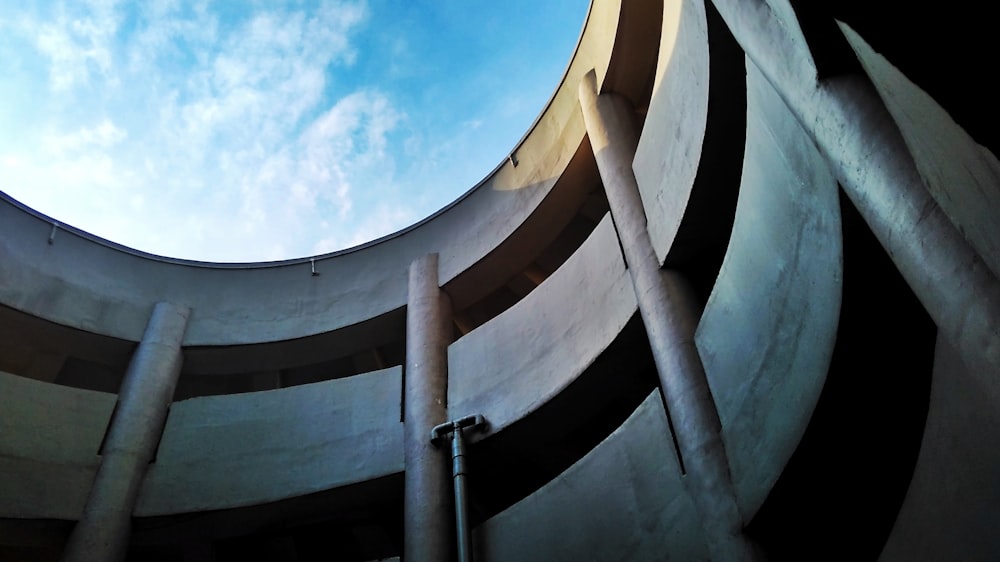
(220, 452)
(50, 436)
(624, 500)
(666, 160)
(516, 362)
(767, 333)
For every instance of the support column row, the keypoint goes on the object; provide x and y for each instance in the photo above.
(104, 529)
(670, 315)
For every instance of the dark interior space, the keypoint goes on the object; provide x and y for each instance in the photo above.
(356, 523)
(704, 232)
(852, 468)
(947, 51)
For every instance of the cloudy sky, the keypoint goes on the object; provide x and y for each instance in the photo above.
(253, 130)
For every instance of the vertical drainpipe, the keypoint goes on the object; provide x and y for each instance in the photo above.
(426, 496)
(104, 529)
(670, 315)
(459, 471)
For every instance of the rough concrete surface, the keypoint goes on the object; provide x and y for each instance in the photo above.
(746, 189)
(769, 327)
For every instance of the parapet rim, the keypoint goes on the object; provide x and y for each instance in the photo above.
(79, 232)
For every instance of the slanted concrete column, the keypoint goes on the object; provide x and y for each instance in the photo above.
(670, 314)
(427, 499)
(866, 152)
(103, 532)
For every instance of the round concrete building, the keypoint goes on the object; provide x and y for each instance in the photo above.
(734, 296)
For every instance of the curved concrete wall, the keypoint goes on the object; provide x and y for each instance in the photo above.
(220, 452)
(639, 511)
(768, 330)
(518, 361)
(49, 441)
(955, 484)
(765, 337)
(79, 282)
(666, 159)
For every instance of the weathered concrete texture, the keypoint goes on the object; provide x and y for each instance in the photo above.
(221, 452)
(147, 389)
(952, 507)
(856, 134)
(640, 510)
(332, 462)
(768, 330)
(666, 159)
(669, 313)
(508, 367)
(962, 176)
(49, 438)
(427, 515)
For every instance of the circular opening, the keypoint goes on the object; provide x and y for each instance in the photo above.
(239, 132)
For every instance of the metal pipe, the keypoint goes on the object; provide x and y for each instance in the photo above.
(461, 515)
(458, 471)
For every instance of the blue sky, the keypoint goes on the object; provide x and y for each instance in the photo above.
(252, 131)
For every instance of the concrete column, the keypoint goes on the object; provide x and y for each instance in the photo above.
(670, 314)
(103, 532)
(427, 498)
(866, 152)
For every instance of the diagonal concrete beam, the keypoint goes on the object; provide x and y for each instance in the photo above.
(670, 314)
(104, 529)
(866, 152)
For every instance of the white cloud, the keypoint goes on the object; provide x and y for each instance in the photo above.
(102, 136)
(387, 217)
(168, 35)
(77, 41)
(313, 181)
(238, 131)
(225, 149)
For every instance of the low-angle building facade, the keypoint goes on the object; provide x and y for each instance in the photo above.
(734, 296)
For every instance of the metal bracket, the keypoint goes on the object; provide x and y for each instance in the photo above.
(440, 432)
(455, 429)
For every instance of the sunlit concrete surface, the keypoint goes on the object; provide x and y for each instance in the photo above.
(734, 296)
